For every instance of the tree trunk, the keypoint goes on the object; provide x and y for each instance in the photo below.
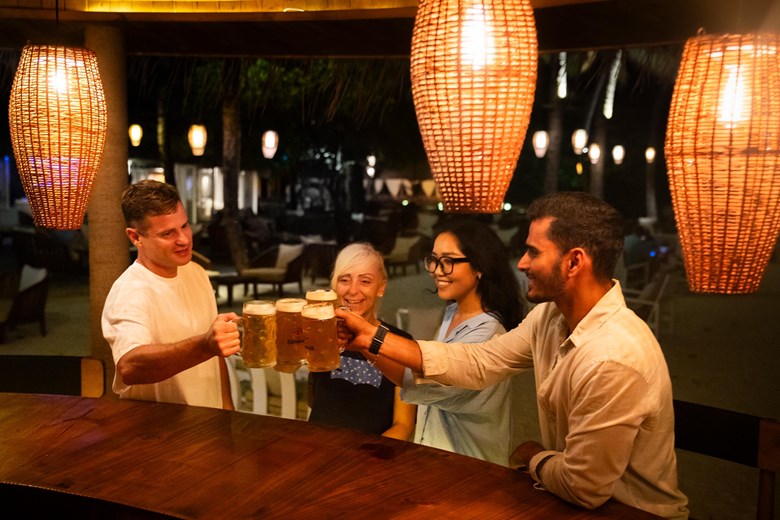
(163, 145)
(599, 133)
(660, 107)
(597, 170)
(650, 202)
(555, 131)
(231, 140)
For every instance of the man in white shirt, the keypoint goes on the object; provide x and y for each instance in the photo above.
(603, 389)
(160, 317)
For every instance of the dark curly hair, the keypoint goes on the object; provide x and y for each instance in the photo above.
(582, 220)
(498, 288)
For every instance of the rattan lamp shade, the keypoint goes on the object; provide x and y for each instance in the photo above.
(723, 158)
(58, 123)
(473, 71)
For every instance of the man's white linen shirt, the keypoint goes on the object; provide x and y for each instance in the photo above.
(143, 308)
(604, 398)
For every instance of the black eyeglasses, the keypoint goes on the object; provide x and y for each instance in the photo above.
(446, 263)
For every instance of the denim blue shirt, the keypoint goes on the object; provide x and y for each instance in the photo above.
(476, 423)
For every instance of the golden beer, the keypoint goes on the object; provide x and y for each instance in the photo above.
(322, 295)
(258, 345)
(290, 350)
(321, 337)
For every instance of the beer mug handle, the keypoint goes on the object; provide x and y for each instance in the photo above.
(240, 324)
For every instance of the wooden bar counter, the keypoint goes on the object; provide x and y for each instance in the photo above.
(149, 460)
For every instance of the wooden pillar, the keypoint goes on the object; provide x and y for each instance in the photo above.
(108, 246)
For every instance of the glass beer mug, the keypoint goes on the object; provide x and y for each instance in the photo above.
(321, 337)
(290, 350)
(258, 344)
(322, 295)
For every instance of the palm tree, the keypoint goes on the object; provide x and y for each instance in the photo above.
(643, 72)
(310, 102)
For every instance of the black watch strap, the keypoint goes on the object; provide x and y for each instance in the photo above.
(378, 339)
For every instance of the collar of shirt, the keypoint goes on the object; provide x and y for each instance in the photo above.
(605, 308)
(462, 328)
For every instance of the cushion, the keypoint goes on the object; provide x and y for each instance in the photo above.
(505, 234)
(400, 252)
(311, 239)
(31, 276)
(288, 253)
(265, 274)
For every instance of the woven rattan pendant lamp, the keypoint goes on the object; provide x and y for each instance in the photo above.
(723, 158)
(58, 123)
(473, 71)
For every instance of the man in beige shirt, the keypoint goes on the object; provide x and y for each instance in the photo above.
(603, 389)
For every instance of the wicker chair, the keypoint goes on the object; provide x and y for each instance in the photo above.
(278, 265)
(406, 252)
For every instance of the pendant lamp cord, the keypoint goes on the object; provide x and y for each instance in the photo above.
(57, 21)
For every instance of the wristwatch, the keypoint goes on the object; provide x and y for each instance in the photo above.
(378, 339)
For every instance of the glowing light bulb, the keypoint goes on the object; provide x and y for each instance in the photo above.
(477, 47)
(541, 141)
(59, 82)
(578, 140)
(650, 155)
(270, 143)
(594, 153)
(618, 154)
(136, 133)
(733, 99)
(197, 137)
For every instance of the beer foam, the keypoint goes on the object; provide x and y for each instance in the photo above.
(318, 312)
(260, 308)
(321, 295)
(290, 304)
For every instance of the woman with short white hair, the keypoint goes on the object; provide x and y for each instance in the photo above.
(356, 395)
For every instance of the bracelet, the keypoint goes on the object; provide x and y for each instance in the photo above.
(372, 363)
(377, 340)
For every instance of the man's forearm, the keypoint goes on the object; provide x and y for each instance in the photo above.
(357, 334)
(396, 349)
(154, 363)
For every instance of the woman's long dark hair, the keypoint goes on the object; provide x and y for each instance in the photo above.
(498, 288)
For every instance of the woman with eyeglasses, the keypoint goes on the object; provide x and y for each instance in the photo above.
(471, 269)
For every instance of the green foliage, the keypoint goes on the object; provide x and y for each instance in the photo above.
(324, 90)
